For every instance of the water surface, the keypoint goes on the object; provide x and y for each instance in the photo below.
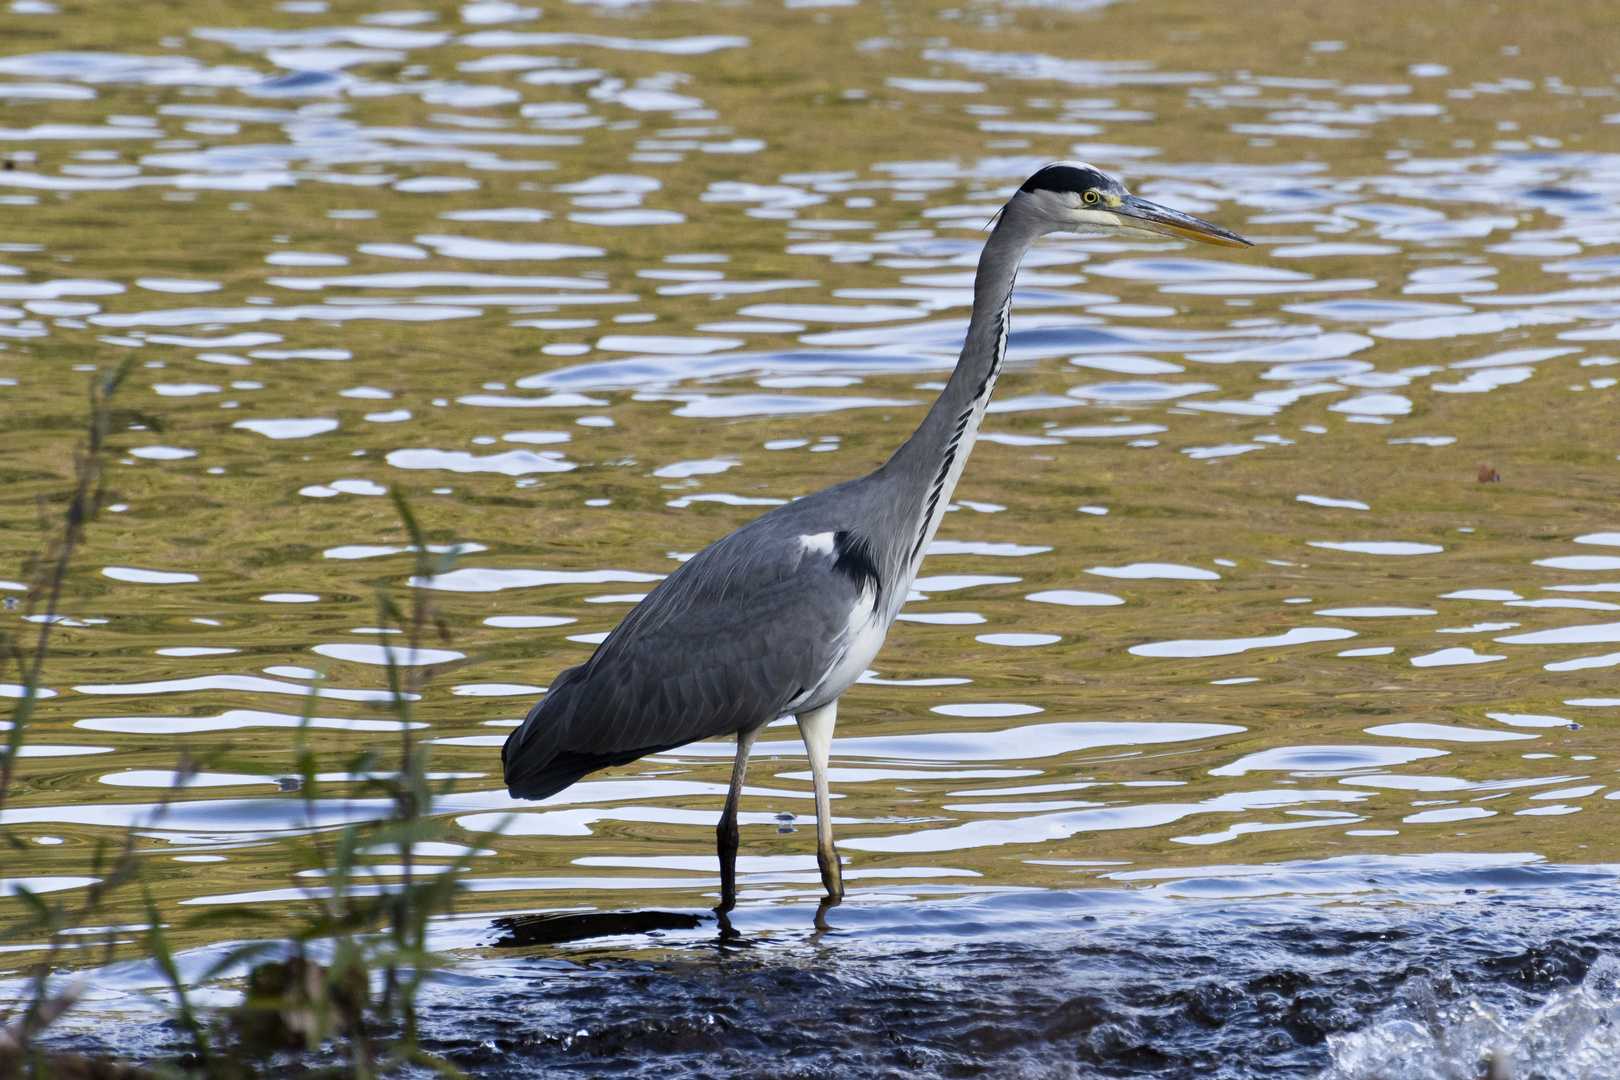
(1228, 582)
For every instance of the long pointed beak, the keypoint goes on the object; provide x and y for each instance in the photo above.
(1161, 220)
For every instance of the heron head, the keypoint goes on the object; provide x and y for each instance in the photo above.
(1071, 196)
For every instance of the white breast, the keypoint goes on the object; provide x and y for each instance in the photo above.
(864, 632)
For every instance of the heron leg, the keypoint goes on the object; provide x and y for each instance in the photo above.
(727, 835)
(817, 728)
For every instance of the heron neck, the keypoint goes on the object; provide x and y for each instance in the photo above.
(932, 459)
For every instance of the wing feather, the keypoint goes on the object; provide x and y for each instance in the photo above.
(720, 646)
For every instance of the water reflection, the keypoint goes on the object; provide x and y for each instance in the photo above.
(585, 297)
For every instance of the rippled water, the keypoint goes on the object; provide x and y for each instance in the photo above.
(1288, 556)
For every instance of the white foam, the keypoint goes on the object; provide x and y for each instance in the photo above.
(1453, 657)
(148, 577)
(986, 710)
(1019, 640)
(382, 655)
(509, 463)
(1141, 390)
(723, 497)
(527, 622)
(703, 467)
(1567, 635)
(1108, 431)
(1374, 405)
(983, 547)
(1529, 719)
(1581, 562)
(162, 453)
(1198, 647)
(1075, 598)
(288, 428)
(1323, 500)
(1581, 663)
(1172, 571)
(1202, 453)
(952, 582)
(551, 401)
(536, 438)
(944, 618)
(466, 247)
(230, 720)
(480, 579)
(1379, 547)
(666, 344)
(735, 405)
(371, 551)
(1563, 602)
(829, 313)
(1458, 813)
(242, 683)
(1445, 733)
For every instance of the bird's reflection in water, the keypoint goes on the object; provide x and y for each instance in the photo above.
(556, 928)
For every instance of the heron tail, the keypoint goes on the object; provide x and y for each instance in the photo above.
(537, 759)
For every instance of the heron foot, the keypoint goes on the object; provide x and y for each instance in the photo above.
(831, 873)
(726, 934)
(826, 905)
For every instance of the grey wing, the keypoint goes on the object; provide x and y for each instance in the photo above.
(728, 642)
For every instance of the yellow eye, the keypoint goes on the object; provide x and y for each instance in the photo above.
(1090, 196)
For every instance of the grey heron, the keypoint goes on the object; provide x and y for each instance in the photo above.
(782, 616)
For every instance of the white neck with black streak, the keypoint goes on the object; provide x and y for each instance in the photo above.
(931, 461)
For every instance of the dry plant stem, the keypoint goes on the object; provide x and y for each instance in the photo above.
(360, 928)
(413, 799)
(47, 576)
(50, 571)
(185, 1017)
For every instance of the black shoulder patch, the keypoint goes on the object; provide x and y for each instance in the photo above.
(1065, 177)
(855, 560)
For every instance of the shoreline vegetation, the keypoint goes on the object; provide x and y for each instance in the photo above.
(327, 989)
